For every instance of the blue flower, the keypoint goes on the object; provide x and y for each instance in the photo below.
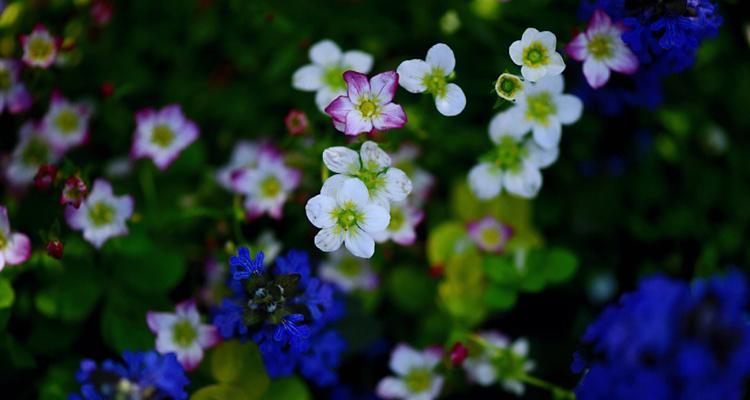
(293, 331)
(243, 265)
(670, 340)
(228, 319)
(144, 375)
(294, 262)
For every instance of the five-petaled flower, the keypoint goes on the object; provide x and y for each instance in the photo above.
(66, 124)
(162, 134)
(15, 248)
(325, 75)
(182, 333)
(416, 376)
(602, 49)
(430, 75)
(500, 360)
(102, 215)
(266, 187)
(32, 151)
(490, 234)
(367, 105)
(40, 48)
(513, 164)
(348, 216)
(372, 166)
(536, 55)
(13, 93)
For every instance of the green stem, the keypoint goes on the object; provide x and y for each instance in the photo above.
(148, 187)
(559, 392)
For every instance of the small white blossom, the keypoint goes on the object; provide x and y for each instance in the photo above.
(537, 55)
(430, 75)
(102, 215)
(182, 333)
(325, 75)
(347, 215)
(484, 371)
(416, 376)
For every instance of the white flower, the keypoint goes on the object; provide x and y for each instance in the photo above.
(162, 135)
(267, 186)
(102, 215)
(246, 155)
(32, 151)
(373, 167)
(66, 124)
(429, 75)
(182, 333)
(513, 164)
(15, 248)
(347, 272)
(416, 377)
(325, 75)
(402, 228)
(346, 215)
(544, 108)
(482, 370)
(536, 55)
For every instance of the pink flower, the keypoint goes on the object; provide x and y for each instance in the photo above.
(602, 49)
(245, 156)
(13, 93)
(296, 122)
(102, 215)
(490, 234)
(367, 105)
(182, 333)
(15, 248)
(40, 48)
(162, 135)
(266, 187)
(66, 124)
(101, 11)
(74, 191)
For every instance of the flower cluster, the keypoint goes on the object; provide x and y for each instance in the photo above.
(356, 205)
(496, 359)
(287, 312)
(258, 171)
(670, 340)
(146, 375)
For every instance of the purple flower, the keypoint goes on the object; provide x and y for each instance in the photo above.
(162, 134)
(15, 248)
(368, 105)
(182, 333)
(102, 215)
(40, 48)
(490, 234)
(66, 124)
(13, 93)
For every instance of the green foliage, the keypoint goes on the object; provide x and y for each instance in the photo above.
(239, 372)
(7, 295)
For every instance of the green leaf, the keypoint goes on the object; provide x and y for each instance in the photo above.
(561, 265)
(220, 392)
(143, 266)
(445, 241)
(499, 298)
(71, 294)
(7, 295)
(409, 289)
(123, 322)
(241, 365)
(502, 270)
(287, 389)
(19, 356)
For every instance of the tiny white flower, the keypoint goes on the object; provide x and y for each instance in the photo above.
(537, 55)
(162, 135)
(66, 124)
(544, 108)
(513, 164)
(347, 272)
(372, 166)
(508, 86)
(347, 216)
(267, 187)
(484, 370)
(416, 376)
(403, 225)
(429, 75)
(182, 333)
(102, 215)
(325, 75)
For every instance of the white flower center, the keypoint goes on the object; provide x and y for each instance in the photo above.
(535, 55)
(39, 48)
(540, 107)
(601, 47)
(183, 333)
(101, 214)
(66, 121)
(347, 216)
(162, 135)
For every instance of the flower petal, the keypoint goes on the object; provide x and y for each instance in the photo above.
(453, 102)
(376, 218)
(160, 321)
(359, 243)
(18, 249)
(548, 136)
(485, 181)
(373, 157)
(356, 60)
(529, 35)
(623, 61)
(441, 56)
(578, 47)
(325, 52)
(549, 40)
(383, 86)
(356, 123)
(516, 52)
(599, 22)
(552, 84)
(332, 185)
(329, 239)
(508, 123)
(526, 183)
(556, 64)
(542, 157)
(324, 96)
(319, 211)
(208, 336)
(533, 74)
(404, 359)
(357, 86)
(397, 184)
(411, 75)
(569, 108)
(392, 388)
(353, 190)
(341, 160)
(339, 108)
(308, 78)
(596, 72)
(391, 116)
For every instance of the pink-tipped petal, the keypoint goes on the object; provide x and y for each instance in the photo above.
(357, 85)
(339, 108)
(190, 358)
(383, 86)
(578, 47)
(208, 336)
(596, 72)
(18, 249)
(391, 116)
(599, 22)
(624, 61)
(159, 321)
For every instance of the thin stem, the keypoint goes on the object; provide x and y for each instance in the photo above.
(148, 187)
(558, 391)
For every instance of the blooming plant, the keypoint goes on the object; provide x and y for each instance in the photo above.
(215, 201)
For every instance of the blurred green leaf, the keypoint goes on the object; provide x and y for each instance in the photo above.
(409, 289)
(240, 365)
(143, 266)
(7, 295)
(72, 294)
(499, 298)
(220, 392)
(287, 389)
